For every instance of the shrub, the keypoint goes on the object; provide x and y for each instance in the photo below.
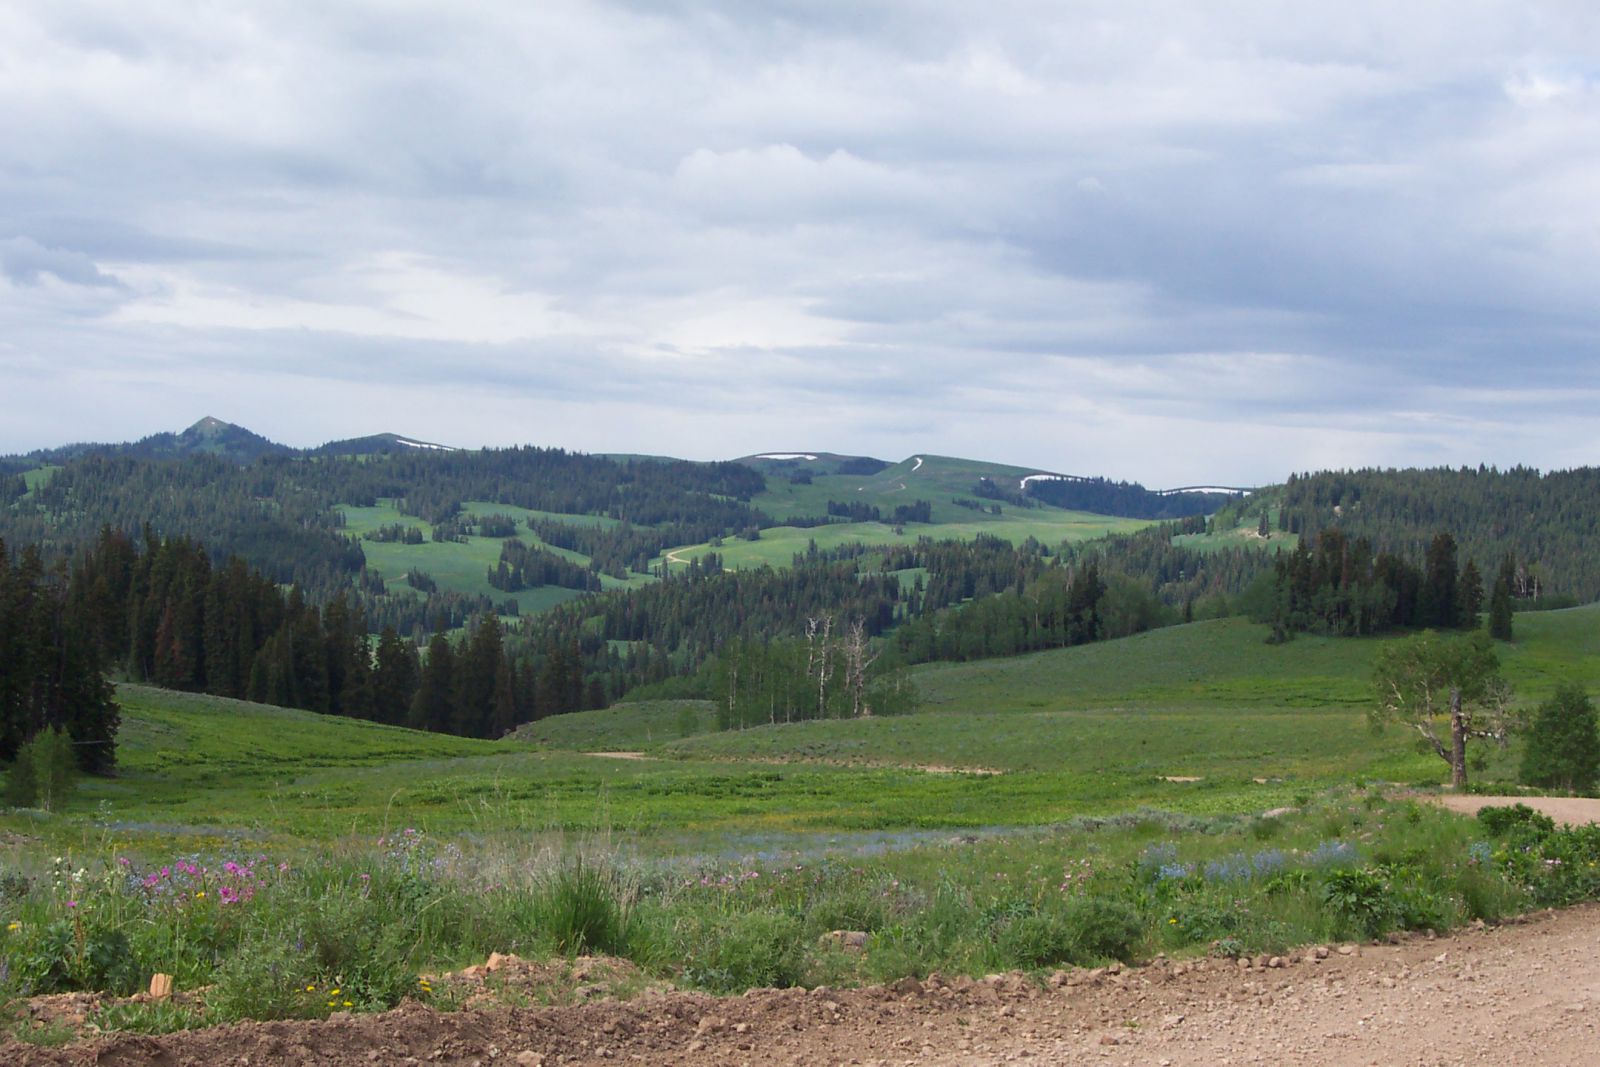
(1501, 822)
(743, 950)
(1102, 928)
(1359, 898)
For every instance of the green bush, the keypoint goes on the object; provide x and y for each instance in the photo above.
(267, 979)
(1502, 821)
(742, 950)
(1359, 899)
(1102, 928)
(1563, 743)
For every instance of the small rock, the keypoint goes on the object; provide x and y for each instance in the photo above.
(907, 986)
(741, 1028)
(1320, 952)
(1349, 950)
(695, 1046)
(529, 1058)
(1110, 1039)
(497, 961)
(1276, 963)
(710, 1024)
(1170, 1021)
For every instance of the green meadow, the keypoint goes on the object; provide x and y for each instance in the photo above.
(1189, 791)
(1204, 718)
(463, 566)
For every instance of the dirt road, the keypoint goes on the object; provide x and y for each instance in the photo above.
(1525, 993)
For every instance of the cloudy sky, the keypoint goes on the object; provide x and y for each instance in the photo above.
(1172, 242)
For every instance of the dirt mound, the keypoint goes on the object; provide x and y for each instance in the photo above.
(1521, 993)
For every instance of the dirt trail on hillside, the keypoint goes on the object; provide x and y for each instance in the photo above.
(1524, 993)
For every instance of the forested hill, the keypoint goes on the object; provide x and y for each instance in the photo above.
(280, 512)
(208, 437)
(1550, 522)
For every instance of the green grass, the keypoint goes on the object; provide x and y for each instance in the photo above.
(1088, 730)
(631, 726)
(38, 476)
(778, 545)
(463, 567)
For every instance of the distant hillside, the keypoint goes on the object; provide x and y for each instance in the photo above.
(1128, 498)
(208, 437)
(1551, 522)
(802, 465)
(377, 445)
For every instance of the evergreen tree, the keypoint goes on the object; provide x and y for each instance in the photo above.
(1437, 605)
(433, 707)
(394, 679)
(1469, 596)
(1500, 612)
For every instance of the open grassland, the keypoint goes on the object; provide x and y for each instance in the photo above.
(462, 566)
(778, 546)
(1091, 730)
(293, 865)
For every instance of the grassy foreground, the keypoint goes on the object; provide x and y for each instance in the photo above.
(278, 856)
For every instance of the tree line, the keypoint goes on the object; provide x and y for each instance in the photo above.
(1547, 520)
(1337, 585)
(52, 675)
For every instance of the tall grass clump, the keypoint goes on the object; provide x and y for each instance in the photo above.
(585, 905)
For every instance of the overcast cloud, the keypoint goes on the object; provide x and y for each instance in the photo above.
(1173, 242)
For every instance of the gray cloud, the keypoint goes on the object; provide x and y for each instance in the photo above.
(1065, 237)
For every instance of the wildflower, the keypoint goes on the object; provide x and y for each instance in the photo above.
(72, 903)
(311, 989)
(333, 992)
(1172, 922)
(200, 895)
(348, 1004)
(14, 927)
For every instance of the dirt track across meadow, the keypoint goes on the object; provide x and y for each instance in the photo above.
(1523, 993)
(1571, 811)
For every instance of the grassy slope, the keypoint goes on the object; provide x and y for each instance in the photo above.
(1086, 730)
(936, 480)
(38, 476)
(462, 566)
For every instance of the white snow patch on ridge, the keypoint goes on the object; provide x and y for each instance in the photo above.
(422, 444)
(918, 466)
(1049, 478)
(785, 455)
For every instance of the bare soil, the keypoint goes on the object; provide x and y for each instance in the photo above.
(1523, 993)
(1568, 811)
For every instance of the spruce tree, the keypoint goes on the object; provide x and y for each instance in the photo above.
(1500, 611)
(1469, 596)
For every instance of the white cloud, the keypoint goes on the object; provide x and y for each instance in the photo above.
(1059, 235)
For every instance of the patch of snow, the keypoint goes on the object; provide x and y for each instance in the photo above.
(785, 455)
(1207, 489)
(422, 444)
(918, 466)
(1048, 478)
